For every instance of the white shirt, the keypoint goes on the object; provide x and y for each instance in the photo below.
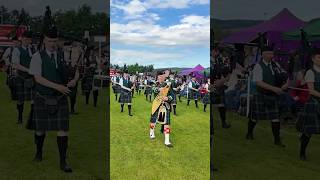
(16, 54)
(36, 63)
(257, 72)
(309, 77)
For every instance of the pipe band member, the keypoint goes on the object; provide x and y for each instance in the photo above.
(308, 120)
(51, 109)
(264, 104)
(161, 111)
(21, 58)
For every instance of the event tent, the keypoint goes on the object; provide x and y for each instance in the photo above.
(312, 30)
(282, 22)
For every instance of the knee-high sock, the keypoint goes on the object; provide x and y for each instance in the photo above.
(204, 107)
(95, 97)
(39, 139)
(188, 102)
(87, 97)
(251, 125)
(167, 136)
(276, 131)
(196, 102)
(304, 140)
(129, 109)
(122, 107)
(174, 109)
(20, 112)
(116, 96)
(72, 102)
(62, 142)
(222, 112)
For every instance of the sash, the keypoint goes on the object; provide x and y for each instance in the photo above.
(158, 100)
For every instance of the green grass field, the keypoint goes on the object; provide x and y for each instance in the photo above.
(237, 158)
(87, 146)
(135, 156)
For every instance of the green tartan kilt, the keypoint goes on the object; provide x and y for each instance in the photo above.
(24, 89)
(148, 91)
(116, 88)
(50, 118)
(125, 96)
(309, 119)
(86, 84)
(154, 117)
(206, 98)
(193, 95)
(264, 107)
(219, 96)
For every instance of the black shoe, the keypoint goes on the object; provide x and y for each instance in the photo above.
(74, 113)
(249, 137)
(226, 126)
(65, 167)
(303, 157)
(169, 145)
(279, 143)
(130, 115)
(38, 157)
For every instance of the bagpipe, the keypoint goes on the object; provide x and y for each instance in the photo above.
(280, 75)
(161, 105)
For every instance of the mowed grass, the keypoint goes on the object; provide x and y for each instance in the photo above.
(237, 158)
(87, 153)
(135, 156)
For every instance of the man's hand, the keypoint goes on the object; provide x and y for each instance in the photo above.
(277, 90)
(63, 89)
(71, 83)
(165, 98)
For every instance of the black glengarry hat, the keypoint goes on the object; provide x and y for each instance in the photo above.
(52, 32)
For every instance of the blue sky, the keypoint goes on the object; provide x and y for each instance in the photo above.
(160, 32)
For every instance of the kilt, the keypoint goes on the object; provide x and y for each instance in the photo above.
(193, 95)
(148, 91)
(206, 98)
(125, 96)
(309, 119)
(154, 117)
(86, 84)
(24, 89)
(44, 120)
(219, 96)
(264, 107)
(116, 88)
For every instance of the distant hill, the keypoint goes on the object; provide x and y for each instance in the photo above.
(172, 69)
(224, 28)
(233, 24)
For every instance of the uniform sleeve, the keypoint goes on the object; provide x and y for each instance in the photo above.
(309, 77)
(35, 65)
(6, 55)
(190, 84)
(257, 73)
(16, 56)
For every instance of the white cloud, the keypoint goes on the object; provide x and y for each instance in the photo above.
(192, 30)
